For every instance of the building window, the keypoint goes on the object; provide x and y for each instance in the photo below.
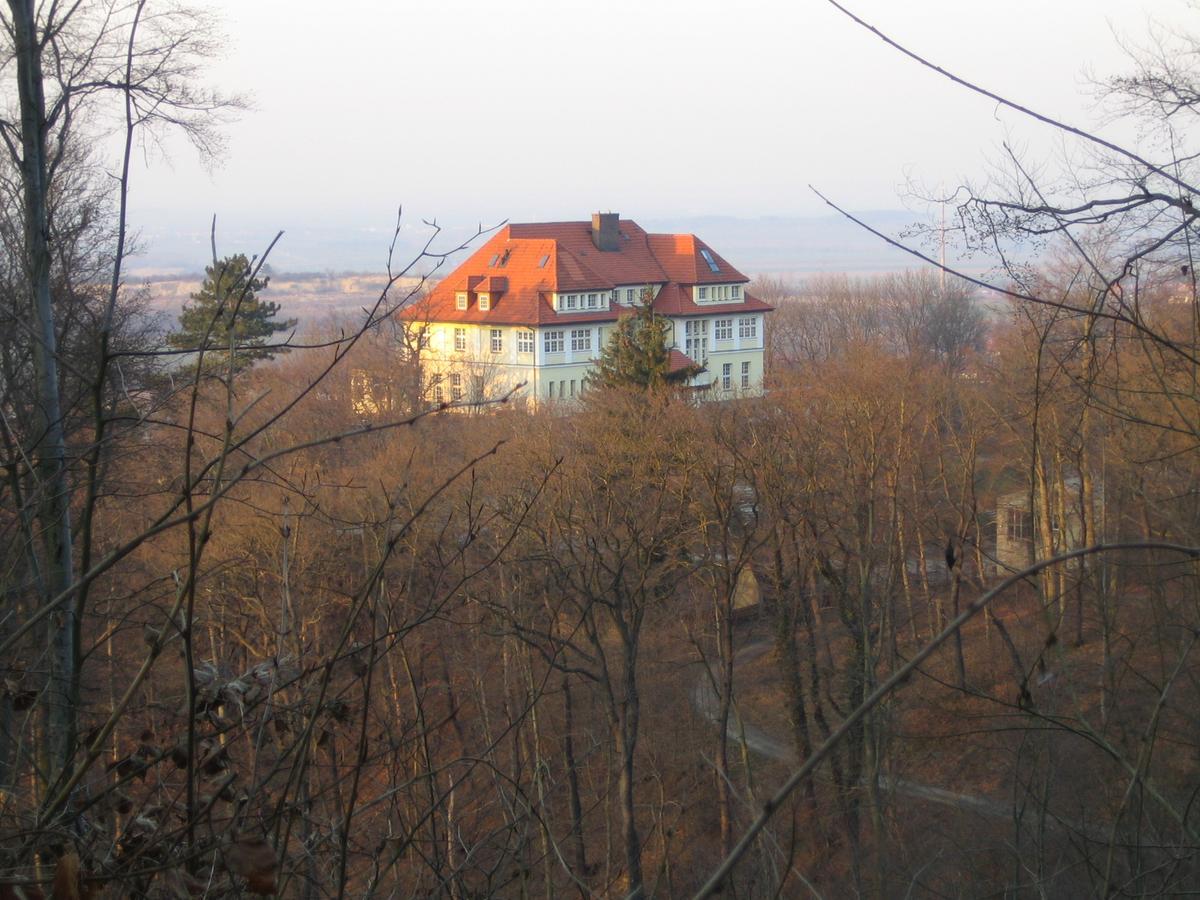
(455, 386)
(1018, 525)
(476, 388)
(524, 341)
(553, 342)
(723, 330)
(572, 387)
(748, 327)
(437, 394)
(485, 302)
(736, 291)
(581, 339)
(549, 390)
(696, 339)
(571, 301)
(745, 375)
(703, 294)
(460, 300)
(460, 340)
(593, 300)
(629, 296)
(616, 295)
(497, 340)
(726, 376)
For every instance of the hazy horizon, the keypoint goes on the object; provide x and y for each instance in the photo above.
(472, 113)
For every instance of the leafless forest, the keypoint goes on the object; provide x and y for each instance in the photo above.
(255, 639)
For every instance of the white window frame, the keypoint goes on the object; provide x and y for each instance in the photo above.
(460, 340)
(572, 299)
(748, 327)
(552, 341)
(526, 341)
(497, 340)
(723, 330)
(485, 302)
(745, 374)
(1018, 524)
(702, 293)
(695, 344)
(736, 291)
(456, 386)
(726, 376)
(629, 296)
(460, 300)
(581, 339)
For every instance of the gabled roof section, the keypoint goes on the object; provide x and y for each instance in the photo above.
(676, 300)
(685, 258)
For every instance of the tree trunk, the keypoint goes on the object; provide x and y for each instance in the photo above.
(573, 782)
(54, 502)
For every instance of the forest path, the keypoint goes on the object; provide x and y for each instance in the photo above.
(759, 740)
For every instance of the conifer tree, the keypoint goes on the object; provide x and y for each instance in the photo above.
(637, 356)
(228, 300)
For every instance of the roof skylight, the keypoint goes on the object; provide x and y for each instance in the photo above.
(708, 258)
(542, 262)
(493, 262)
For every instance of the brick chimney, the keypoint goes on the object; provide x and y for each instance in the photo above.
(606, 233)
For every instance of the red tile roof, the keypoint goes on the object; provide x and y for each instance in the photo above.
(492, 284)
(684, 262)
(533, 261)
(679, 360)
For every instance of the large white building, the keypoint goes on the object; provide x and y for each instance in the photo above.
(536, 303)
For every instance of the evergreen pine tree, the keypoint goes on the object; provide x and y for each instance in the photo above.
(228, 299)
(637, 356)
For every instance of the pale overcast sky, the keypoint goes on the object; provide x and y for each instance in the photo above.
(469, 110)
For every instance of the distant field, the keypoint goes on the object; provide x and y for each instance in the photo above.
(311, 298)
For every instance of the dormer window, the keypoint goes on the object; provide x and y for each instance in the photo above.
(703, 295)
(485, 302)
(460, 300)
(736, 290)
(572, 300)
(593, 300)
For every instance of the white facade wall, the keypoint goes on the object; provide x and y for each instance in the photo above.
(550, 375)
